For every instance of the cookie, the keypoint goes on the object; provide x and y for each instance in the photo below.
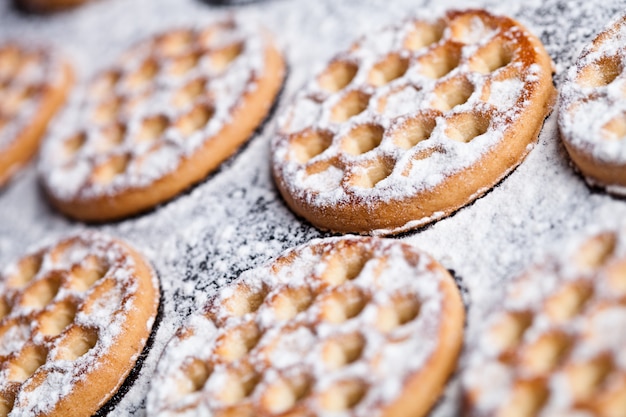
(168, 113)
(47, 6)
(34, 83)
(555, 345)
(592, 109)
(354, 326)
(413, 122)
(74, 317)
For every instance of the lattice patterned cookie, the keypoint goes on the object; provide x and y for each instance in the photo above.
(33, 85)
(74, 317)
(169, 112)
(413, 122)
(342, 326)
(555, 347)
(592, 109)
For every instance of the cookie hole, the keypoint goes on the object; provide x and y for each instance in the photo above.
(586, 378)
(5, 308)
(568, 301)
(342, 350)
(392, 67)
(183, 64)
(143, 75)
(423, 34)
(87, 273)
(7, 400)
(616, 277)
(596, 251)
(245, 300)
(283, 394)
(26, 364)
(470, 28)
(343, 395)
(615, 129)
(374, 172)
(236, 385)
(151, 129)
(9, 61)
(337, 76)
(343, 304)
(493, 56)
(509, 329)
(613, 402)
(220, 60)
(77, 342)
(107, 112)
(465, 127)
(13, 100)
(39, 294)
(452, 93)
(195, 120)
(107, 171)
(187, 95)
(291, 301)
(601, 72)
(27, 268)
(310, 143)
(237, 342)
(440, 61)
(346, 263)
(362, 138)
(350, 105)
(73, 144)
(196, 373)
(175, 43)
(110, 137)
(402, 309)
(104, 84)
(53, 322)
(527, 399)
(414, 130)
(545, 353)
(210, 36)
(108, 290)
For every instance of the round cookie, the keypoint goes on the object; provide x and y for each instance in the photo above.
(74, 317)
(592, 109)
(34, 83)
(413, 122)
(555, 345)
(343, 326)
(168, 113)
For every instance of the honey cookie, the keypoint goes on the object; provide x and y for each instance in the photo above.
(555, 345)
(168, 113)
(413, 122)
(354, 326)
(74, 317)
(34, 83)
(592, 110)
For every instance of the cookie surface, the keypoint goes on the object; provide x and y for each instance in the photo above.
(169, 112)
(555, 345)
(592, 109)
(33, 85)
(413, 122)
(74, 317)
(342, 326)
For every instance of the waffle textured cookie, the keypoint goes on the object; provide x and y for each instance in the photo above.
(169, 112)
(342, 326)
(555, 345)
(74, 317)
(413, 122)
(33, 85)
(47, 6)
(592, 109)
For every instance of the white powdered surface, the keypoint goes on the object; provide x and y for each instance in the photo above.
(236, 220)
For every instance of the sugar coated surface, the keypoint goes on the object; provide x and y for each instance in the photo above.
(236, 220)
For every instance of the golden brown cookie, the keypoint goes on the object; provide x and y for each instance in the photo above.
(592, 109)
(34, 83)
(413, 122)
(342, 326)
(74, 317)
(168, 113)
(555, 345)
